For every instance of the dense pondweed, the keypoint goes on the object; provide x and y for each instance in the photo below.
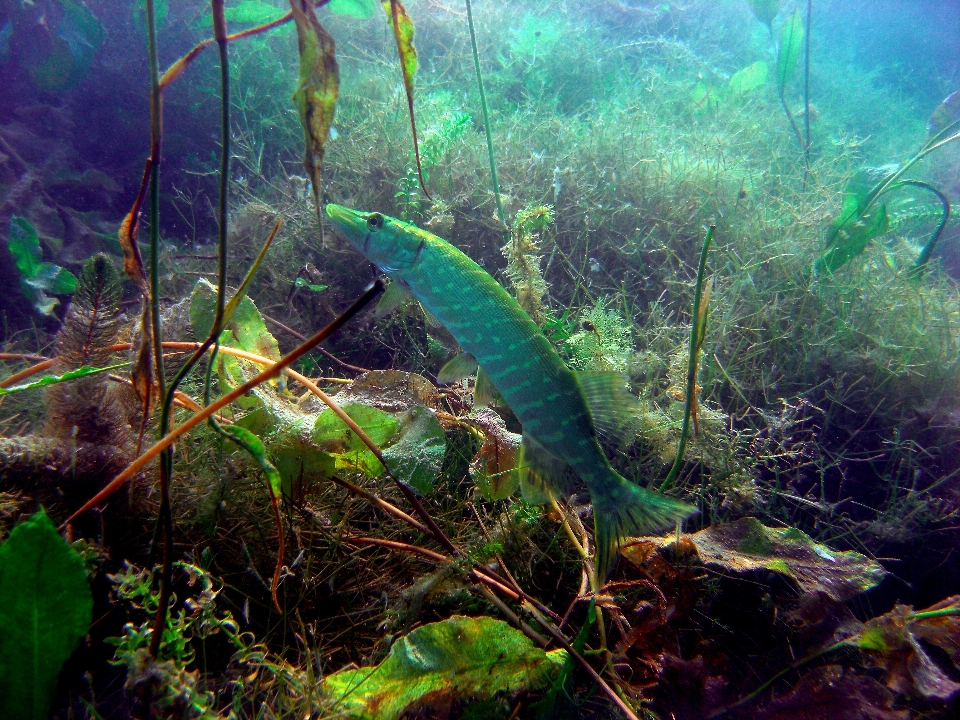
(242, 477)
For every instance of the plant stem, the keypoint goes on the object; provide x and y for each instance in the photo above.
(806, 96)
(486, 121)
(696, 341)
(164, 516)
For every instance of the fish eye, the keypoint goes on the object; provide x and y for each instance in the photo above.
(375, 221)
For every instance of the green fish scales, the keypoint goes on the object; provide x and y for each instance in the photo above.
(560, 411)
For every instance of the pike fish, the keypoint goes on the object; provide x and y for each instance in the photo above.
(561, 411)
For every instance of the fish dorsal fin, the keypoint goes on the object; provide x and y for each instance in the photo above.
(614, 409)
(393, 297)
(485, 393)
(463, 365)
(542, 474)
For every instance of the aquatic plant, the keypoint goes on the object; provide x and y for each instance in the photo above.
(604, 342)
(862, 218)
(37, 278)
(523, 269)
(45, 608)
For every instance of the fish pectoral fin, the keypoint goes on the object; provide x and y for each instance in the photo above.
(614, 409)
(393, 297)
(542, 474)
(485, 393)
(463, 365)
(431, 319)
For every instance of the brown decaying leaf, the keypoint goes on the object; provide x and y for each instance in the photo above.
(402, 27)
(747, 546)
(834, 693)
(498, 453)
(318, 87)
(132, 260)
(892, 642)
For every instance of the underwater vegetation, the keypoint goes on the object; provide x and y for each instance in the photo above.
(357, 354)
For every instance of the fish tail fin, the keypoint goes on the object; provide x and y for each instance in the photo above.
(622, 509)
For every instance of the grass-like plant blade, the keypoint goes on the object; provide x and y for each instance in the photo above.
(45, 608)
(80, 372)
(791, 42)
(455, 659)
(698, 330)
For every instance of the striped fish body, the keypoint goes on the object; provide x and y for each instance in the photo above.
(547, 398)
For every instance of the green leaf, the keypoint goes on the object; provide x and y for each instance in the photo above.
(361, 9)
(45, 608)
(300, 282)
(53, 279)
(80, 372)
(444, 662)
(248, 330)
(749, 78)
(417, 455)
(37, 276)
(332, 435)
(256, 449)
(248, 12)
(765, 10)
(791, 42)
(24, 245)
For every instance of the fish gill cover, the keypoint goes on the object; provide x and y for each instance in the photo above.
(733, 219)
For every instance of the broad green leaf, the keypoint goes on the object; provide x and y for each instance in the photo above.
(704, 96)
(45, 608)
(80, 372)
(248, 330)
(765, 10)
(36, 276)
(24, 245)
(791, 42)
(946, 113)
(851, 238)
(361, 9)
(81, 31)
(443, 662)
(319, 84)
(332, 435)
(747, 546)
(53, 74)
(417, 455)
(53, 279)
(749, 78)
(248, 12)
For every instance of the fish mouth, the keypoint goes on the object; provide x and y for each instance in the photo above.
(350, 222)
